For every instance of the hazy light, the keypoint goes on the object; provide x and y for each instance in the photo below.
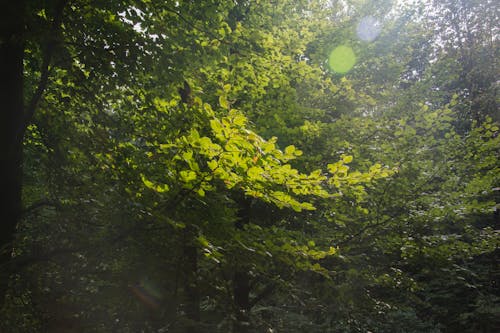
(342, 59)
(368, 28)
(147, 292)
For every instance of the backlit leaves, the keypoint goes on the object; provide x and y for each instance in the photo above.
(235, 156)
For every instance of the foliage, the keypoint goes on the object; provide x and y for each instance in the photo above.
(198, 167)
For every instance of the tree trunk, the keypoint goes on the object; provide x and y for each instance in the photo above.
(191, 291)
(241, 285)
(241, 278)
(11, 131)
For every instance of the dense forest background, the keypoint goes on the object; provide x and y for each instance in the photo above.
(249, 166)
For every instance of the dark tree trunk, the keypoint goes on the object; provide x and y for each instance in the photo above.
(11, 131)
(241, 285)
(241, 278)
(191, 290)
(14, 118)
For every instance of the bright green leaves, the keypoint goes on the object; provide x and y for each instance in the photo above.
(229, 154)
(160, 188)
(187, 176)
(347, 159)
(353, 182)
(223, 102)
(257, 167)
(187, 156)
(338, 169)
(291, 152)
(164, 105)
(255, 173)
(216, 127)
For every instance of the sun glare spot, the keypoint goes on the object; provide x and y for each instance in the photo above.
(368, 28)
(148, 293)
(342, 59)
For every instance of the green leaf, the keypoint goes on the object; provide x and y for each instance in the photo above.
(160, 188)
(347, 158)
(223, 102)
(212, 165)
(187, 175)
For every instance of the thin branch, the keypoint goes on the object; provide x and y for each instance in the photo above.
(38, 204)
(267, 291)
(21, 261)
(47, 59)
(24, 260)
(194, 26)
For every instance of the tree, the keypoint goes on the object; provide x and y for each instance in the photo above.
(198, 167)
(13, 123)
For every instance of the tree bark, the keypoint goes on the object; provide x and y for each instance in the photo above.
(191, 290)
(14, 119)
(241, 285)
(11, 130)
(241, 278)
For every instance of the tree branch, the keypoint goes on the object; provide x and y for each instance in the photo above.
(47, 59)
(268, 290)
(38, 204)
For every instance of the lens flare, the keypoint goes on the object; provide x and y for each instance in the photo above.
(342, 59)
(368, 28)
(148, 293)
